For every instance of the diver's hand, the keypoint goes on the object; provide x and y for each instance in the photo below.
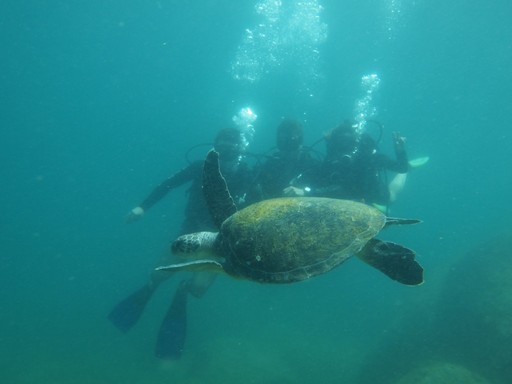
(399, 141)
(293, 192)
(135, 214)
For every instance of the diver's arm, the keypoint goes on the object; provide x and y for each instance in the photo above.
(400, 153)
(185, 175)
(401, 162)
(181, 177)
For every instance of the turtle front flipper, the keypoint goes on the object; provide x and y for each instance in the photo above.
(394, 260)
(203, 265)
(215, 190)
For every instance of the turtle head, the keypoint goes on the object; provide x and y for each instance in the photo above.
(198, 248)
(194, 243)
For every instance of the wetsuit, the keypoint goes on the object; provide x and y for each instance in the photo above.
(360, 175)
(197, 215)
(281, 171)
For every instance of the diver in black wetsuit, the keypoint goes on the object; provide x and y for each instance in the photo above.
(289, 171)
(354, 169)
(170, 342)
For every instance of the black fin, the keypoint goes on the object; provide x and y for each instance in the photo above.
(394, 260)
(220, 203)
(127, 312)
(173, 331)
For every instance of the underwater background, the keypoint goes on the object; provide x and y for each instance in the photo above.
(100, 101)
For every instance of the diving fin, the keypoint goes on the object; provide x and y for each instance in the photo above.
(418, 162)
(394, 260)
(128, 311)
(171, 336)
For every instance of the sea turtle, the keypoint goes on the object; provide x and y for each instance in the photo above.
(285, 240)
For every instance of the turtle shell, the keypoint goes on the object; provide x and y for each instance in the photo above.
(291, 239)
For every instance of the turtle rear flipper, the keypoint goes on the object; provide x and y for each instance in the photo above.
(203, 265)
(215, 190)
(394, 260)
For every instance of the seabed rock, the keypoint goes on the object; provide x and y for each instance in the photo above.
(441, 373)
(467, 322)
(474, 312)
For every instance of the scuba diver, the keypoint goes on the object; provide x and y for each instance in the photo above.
(290, 170)
(354, 169)
(171, 337)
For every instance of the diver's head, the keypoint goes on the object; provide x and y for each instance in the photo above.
(290, 135)
(343, 140)
(230, 144)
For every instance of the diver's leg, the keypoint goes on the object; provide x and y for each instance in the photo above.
(398, 183)
(199, 283)
(396, 186)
